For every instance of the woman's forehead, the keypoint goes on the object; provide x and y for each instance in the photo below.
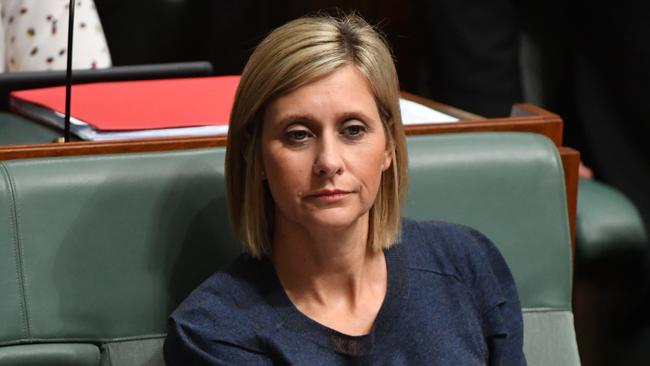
(343, 91)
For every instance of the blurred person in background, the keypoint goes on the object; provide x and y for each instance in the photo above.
(34, 36)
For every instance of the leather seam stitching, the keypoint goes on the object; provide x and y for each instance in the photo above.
(82, 339)
(20, 277)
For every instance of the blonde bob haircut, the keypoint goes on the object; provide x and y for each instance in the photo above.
(293, 55)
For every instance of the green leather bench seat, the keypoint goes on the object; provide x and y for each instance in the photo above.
(97, 250)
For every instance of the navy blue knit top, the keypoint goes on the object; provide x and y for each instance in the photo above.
(451, 300)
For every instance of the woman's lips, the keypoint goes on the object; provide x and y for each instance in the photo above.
(329, 195)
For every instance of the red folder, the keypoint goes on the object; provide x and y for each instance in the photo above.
(143, 104)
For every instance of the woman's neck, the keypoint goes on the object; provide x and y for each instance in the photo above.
(331, 274)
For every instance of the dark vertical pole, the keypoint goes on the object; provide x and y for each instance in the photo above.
(68, 73)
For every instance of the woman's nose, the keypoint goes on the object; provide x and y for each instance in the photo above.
(328, 161)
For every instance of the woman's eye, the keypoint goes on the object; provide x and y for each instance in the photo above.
(297, 135)
(354, 130)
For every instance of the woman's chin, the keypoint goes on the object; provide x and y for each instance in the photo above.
(336, 221)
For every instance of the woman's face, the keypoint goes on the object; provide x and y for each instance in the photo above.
(324, 150)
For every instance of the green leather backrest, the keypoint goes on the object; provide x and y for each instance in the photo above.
(510, 186)
(100, 249)
(103, 248)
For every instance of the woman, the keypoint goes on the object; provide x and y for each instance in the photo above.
(316, 170)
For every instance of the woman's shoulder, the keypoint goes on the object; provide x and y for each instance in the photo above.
(473, 260)
(445, 246)
(458, 251)
(221, 321)
(230, 305)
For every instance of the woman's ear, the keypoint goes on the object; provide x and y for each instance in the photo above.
(388, 157)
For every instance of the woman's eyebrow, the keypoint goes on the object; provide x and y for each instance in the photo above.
(359, 115)
(295, 117)
(310, 117)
